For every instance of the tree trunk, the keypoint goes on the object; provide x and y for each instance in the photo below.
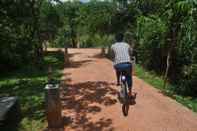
(109, 53)
(73, 42)
(102, 51)
(38, 51)
(66, 57)
(73, 35)
(173, 42)
(78, 44)
(167, 68)
(44, 45)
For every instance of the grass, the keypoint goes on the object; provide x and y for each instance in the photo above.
(157, 82)
(28, 84)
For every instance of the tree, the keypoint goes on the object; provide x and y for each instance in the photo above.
(20, 29)
(178, 10)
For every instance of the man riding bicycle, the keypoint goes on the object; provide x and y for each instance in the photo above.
(121, 52)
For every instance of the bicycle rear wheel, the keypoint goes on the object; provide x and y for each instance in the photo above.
(125, 105)
(125, 109)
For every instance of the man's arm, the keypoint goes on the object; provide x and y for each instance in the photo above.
(130, 51)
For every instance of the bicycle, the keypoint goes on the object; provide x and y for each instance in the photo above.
(123, 94)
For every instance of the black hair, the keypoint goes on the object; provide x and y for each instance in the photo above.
(119, 37)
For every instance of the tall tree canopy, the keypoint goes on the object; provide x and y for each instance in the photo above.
(164, 32)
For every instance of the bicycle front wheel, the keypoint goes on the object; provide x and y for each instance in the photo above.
(125, 109)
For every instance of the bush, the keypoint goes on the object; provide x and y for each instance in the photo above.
(151, 37)
(96, 40)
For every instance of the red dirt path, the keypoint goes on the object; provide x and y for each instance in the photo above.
(90, 103)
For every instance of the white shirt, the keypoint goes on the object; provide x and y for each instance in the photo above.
(121, 52)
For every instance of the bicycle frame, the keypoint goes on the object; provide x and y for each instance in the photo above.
(124, 87)
(125, 97)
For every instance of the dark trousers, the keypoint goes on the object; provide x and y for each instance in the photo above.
(125, 68)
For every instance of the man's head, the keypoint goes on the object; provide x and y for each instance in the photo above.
(119, 37)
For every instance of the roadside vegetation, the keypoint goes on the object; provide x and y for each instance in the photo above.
(157, 81)
(28, 83)
(162, 33)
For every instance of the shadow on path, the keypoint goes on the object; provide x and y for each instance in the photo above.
(86, 98)
(77, 64)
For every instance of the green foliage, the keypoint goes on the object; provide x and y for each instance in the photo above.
(84, 23)
(151, 38)
(102, 41)
(49, 20)
(153, 27)
(17, 29)
(28, 84)
(96, 40)
(96, 16)
(25, 24)
(155, 38)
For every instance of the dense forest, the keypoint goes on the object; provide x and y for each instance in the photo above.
(162, 32)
